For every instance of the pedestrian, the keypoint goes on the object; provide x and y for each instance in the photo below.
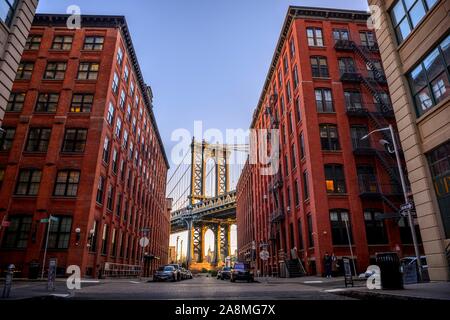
(334, 265)
(328, 265)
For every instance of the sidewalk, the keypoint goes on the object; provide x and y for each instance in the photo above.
(419, 291)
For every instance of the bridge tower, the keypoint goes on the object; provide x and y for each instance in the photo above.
(201, 152)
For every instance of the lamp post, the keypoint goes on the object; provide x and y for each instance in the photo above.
(405, 193)
(176, 250)
(188, 220)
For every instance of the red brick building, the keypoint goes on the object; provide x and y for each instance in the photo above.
(324, 91)
(82, 145)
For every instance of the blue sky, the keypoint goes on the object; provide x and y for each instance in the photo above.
(205, 59)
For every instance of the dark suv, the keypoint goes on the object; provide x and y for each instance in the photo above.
(241, 271)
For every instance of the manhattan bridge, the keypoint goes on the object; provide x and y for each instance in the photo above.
(203, 193)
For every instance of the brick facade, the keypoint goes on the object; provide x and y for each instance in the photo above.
(120, 188)
(327, 174)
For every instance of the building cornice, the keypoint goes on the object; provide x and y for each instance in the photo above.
(110, 21)
(297, 12)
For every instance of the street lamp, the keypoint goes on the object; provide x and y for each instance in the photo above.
(387, 145)
(176, 250)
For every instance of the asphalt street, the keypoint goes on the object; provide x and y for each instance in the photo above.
(198, 288)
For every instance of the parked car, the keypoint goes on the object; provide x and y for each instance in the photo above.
(178, 270)
(165, 273)
(241, 271)
(189, 274)
(224, 273)
(408, 261)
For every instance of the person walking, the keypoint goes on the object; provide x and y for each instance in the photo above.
(334, 265)
(328, 265)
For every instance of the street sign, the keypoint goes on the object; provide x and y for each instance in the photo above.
(407, 206)
(45, 220)
(144, 241)
(264, 255)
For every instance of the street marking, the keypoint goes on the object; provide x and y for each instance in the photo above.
(335, 290)
(315, 281)
(90, 281)
(60, 295)
(135, 282)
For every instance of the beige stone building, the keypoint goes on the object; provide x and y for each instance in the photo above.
(414, 41)
(16, 17)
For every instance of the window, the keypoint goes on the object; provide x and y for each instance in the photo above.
(15, 102)
(62, 43)
(100, 190)
(430, 80)
(93, 238)
(128, 112)
(379, 70)
(67, 183)
(346, 65)
(300, 235)
(115, 83)
(7, 138)
(368, 39)
(288, 91)
(81, 102)
(295, 76)
(285, 64)
(122, 99)
(375, 230)
(357, 133)
(280, 79)
(126, 74)
(110, 197)
(324, 100)
(329, 137)
(93, 43)
(302, 146)
(114, 161)
(353, 100)
(293, 157)
(106, 146)
(292, 47)
(439, 163)
(55, 71)
(406, 15)
(282, 104)
(47, 102)
(319, 67)
(104, 250)
(110, 115)
(118, 127)
(340, 34)
(119, 204)
(113, 243)
(305, 185)
(28, 182)
(2, 176)
(7, 9)
(24, 70)
(119, 56)
(132, 89)
(88, 71)
(38, 139)
(74, 140)
(33, 42)
(334, 178)
(59, 233)
(17, 234)
(340, 227)
(315, 37)
(134, 124)
(125, 139)
(296, 193)
(310, 231)
(298, 110)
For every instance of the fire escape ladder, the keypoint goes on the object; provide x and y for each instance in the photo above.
(364, 53)
(385, 162)
(389, 203)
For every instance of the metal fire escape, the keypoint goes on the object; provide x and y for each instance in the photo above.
(383, 110)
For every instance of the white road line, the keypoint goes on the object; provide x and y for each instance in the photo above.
(318, 281)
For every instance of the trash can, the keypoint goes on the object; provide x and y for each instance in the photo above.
(33, 271)
(390, 268)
